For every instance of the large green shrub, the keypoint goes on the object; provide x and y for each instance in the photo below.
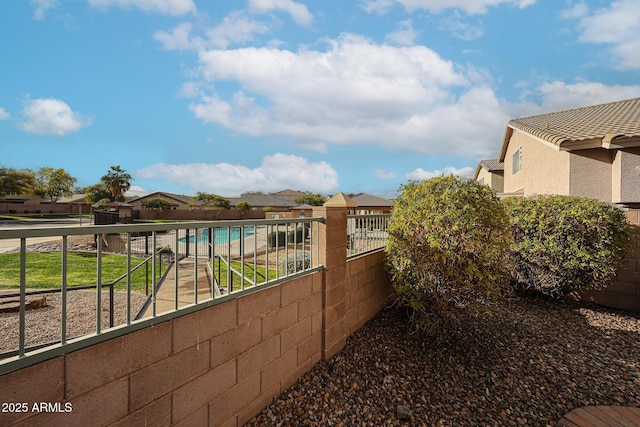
(279, 238)
(562, 244)
(296, 236)
(446, 248)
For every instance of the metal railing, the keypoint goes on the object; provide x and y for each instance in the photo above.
(366, 233)
(205, 263)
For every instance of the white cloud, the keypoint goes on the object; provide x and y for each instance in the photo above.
(235, 28)
(470, 7)
(298, 11)
(179, 38)
(51, 117)
(136, 191)
(383, 174)
(377, 6)
(420, 174)
(4, 115)
(557, 96)
(615, 26)
(405, 35)
(460, 29)
(165, 7)
(275, 173)
(354, 92)
(41, 6)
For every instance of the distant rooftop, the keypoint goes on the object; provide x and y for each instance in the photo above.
(369, 200)
(492, 165)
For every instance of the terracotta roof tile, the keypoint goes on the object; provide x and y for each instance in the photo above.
(492, 165)
(603, 122)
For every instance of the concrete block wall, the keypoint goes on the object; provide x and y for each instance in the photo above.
(218, 366)
(624, 292)
(368, 289)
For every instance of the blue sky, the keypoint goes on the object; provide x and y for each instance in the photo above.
(325, 96)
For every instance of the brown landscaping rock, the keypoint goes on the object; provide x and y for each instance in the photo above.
(528, 363)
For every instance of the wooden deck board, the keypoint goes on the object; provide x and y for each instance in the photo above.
(602, 416)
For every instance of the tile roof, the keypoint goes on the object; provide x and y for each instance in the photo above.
(262, 200)
(365, 200)
(492, 165)
(604, 122)
(178, 197)
(287, 192)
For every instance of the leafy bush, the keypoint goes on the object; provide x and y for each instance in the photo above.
(562, 244)
(446, 248)
(281, 237)
(295, 262)
(295, 236)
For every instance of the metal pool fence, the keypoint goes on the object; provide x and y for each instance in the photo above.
(152, 272)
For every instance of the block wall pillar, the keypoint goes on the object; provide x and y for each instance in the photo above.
(333, 255)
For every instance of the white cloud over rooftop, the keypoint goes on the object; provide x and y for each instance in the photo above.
(355, 91)
(276, 172)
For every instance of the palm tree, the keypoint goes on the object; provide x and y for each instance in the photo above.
(117, 181)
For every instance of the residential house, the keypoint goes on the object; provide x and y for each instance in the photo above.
(370, 204)
(591, 151)
(281, 201)
(177, 201)
(491, 172)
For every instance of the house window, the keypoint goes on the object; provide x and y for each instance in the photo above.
(517, 161)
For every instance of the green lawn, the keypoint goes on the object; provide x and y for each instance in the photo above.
(222, 275)
(42, 216)
(44, 270)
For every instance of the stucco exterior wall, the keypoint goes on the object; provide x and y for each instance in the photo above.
(626, 176)
(493, 180)
(544, 170)
(590, 174)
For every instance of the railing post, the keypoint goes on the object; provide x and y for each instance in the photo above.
(333, 255)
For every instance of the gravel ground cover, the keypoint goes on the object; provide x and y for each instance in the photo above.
(527, 363)
(43, 325)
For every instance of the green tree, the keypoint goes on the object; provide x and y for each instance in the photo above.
(53, 183)
(99, 204)
(117, 181)
(212, 200)
(97, 192)
(309, 198)
(16, 182)
(447, 244)
(158, 204)
(244, 206)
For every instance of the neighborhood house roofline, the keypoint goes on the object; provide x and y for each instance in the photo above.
(369, 200)
(491, 165)
(161, 194)
(613, 125)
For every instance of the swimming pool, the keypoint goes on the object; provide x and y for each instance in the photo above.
(220, 235)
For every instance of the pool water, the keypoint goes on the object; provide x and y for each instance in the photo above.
(220, 234)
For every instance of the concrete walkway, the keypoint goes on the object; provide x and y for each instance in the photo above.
(166, 294)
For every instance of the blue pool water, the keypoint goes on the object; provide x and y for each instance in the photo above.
(220, 235)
